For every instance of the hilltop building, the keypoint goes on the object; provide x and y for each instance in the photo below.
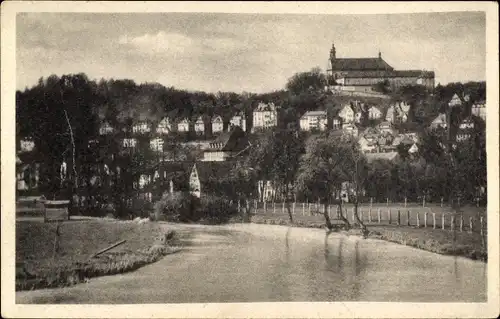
(360, 74)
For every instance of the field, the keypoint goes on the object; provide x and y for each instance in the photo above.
(39, 265)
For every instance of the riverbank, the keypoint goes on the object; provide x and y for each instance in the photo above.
(44, 262)
(438, 241)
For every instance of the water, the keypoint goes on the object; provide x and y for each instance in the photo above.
(259, 263)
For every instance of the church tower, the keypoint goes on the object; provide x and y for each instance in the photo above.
(333, 53)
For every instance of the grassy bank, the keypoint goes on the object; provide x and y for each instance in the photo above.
(438, 241)
(38, 266)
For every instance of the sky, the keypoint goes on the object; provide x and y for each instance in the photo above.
(242, 52)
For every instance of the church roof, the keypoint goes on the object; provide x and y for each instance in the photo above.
(360, 64)
(387, 74)
(234, 140)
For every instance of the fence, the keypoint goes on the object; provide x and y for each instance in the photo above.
(470, 219)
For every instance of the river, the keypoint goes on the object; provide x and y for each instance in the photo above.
(260, 263)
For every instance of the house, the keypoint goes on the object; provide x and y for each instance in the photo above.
(105, 129)
(208, 177)
(239, 120)
(350, 129)
(406, 138)
(386, 128)
(226, 146)
(265, 116)
(367, 144)
(347, 114)
(398, 112)
(374, 113)
(479, 109)
(156, 144)
(129, 142)
(465, 130)
(199, 126)
(413, 149)
(313, 121)
(217, 124)
(456, 101)
(439, 122)
(164, 127)
(141, 127)
(183, 125)
(336, 123)
(26, 145)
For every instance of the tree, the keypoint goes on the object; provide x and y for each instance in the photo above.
(275, 157)
(310, 81)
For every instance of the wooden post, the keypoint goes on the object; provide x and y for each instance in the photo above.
(283, 207)
(470, 224)
(423, 202)
(265, 207)
(353, 218)
(452, 223)
(309, 209)
(442, 199)
(239, 206)
(405, 201)
(370, 215)
(378, 215)
(256, 204)
(274, 208)
(442, 221)
(425, 219)
(418, 220)
(433, 220)
(461, 223)
(248, 205)
(399, 217)
(387, 201)
(293, 208)
(408, 218)
(303, 209)
(481, 224)
(389, 215)
(371, 202)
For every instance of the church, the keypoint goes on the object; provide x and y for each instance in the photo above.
(361, 74)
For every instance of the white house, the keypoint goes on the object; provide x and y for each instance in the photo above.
(439, 122)
(183, 125)
(336, 123)
(156, 144)
(141, 127)
(479, 109)
(313, 120)
(217, 124)
(239, 120)
(385, 127)
(105, 129)
(350, 129)
(398, 112)
(413, 149)
(164, 127)
(199, 125)
(374, 113)
(26, 145)
(265, 115)
(347, 114)
(129, 142)
(367, 144)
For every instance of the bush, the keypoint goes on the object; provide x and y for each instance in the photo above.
(215, 210)
(175, 207)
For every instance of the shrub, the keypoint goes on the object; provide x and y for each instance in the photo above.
(215, 210)
(177, 206)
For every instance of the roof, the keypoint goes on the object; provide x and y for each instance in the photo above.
(441, 118)
(388, 74)
(314, 113)
(234, 140)
(265, 107)
(211, 172)
(389, 156)
(360, 64)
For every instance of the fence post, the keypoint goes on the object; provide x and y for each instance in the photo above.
(442, 221)
(408, 218)
(452, 221)
(461, 223)
(265, 207)
(293, 208)
(370, 215)
(361, 214)
(399, 217)
(470, 225)
(353, 218)
(371, 202)
(405, 201)
(481, 223)
(378, 215)
(390, 216)
(239, 206)
(442, 199)
(387, 202)
(425, 219)
(418, 220)
(423, 202)
(433, 220)
(274, 207)
(256, 203)
(309, 208)
(303, 209)
(283, 207)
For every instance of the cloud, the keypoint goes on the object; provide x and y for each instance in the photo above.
(159, 43)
